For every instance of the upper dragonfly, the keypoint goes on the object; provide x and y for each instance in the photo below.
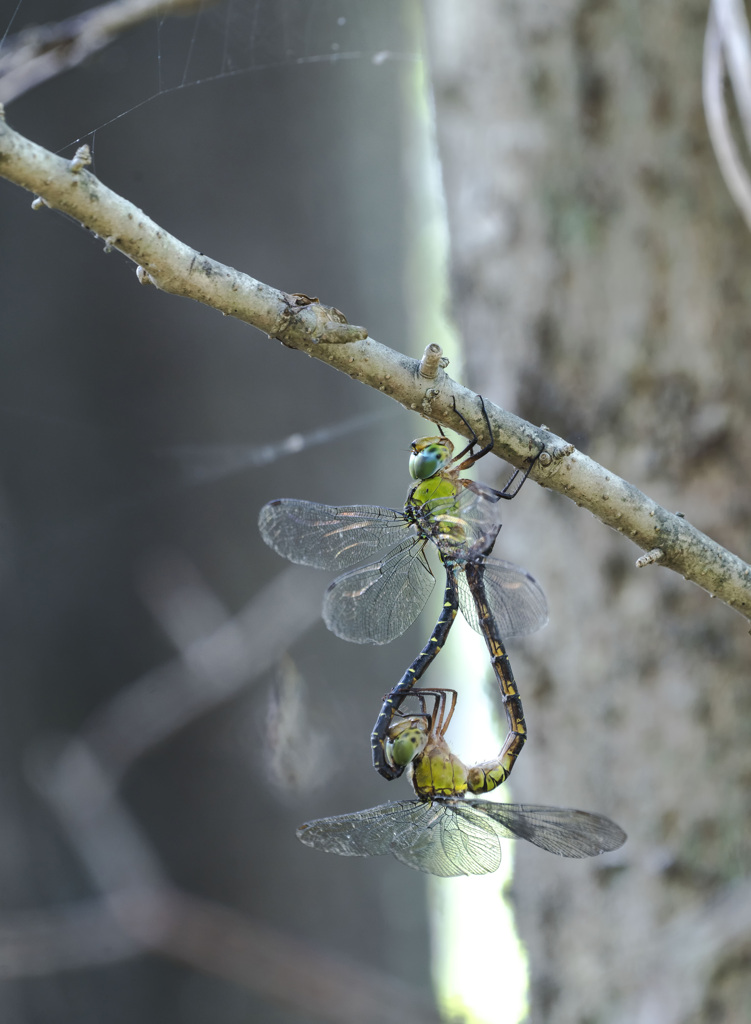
(378, 601)
(441, 832)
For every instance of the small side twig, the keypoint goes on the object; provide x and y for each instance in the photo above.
(651, 558)
(432, 361)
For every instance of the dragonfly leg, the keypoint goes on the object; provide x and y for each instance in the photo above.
(508, 491)
(423, 708)
(439, 719)
(467, 450)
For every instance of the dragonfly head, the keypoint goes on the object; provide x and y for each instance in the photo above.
(428, 456)
(406, 740)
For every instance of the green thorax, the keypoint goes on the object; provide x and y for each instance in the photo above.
(428, 490)
(438, 772)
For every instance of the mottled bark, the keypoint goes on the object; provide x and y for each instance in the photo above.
(600, 279)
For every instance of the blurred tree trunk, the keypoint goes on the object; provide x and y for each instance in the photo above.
(600, 280)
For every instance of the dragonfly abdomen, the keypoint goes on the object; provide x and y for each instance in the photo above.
(485, 777)
(384, 765)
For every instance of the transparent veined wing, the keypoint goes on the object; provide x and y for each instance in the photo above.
(560, 830)
(423, 835)
(377, 602)
(330, 536)
(460, 837)
(455, 523)
(368, 833)
(515, 598)
(365, 833)
(442, 843)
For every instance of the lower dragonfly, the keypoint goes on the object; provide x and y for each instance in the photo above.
(442, 832)
(474, 564)
(378, 601)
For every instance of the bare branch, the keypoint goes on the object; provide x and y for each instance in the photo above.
(218, 657)
(39, 53)
(305, 324)
(213, 940)
(117, 855)
(729, 159)
(35, 943)
(730, 18)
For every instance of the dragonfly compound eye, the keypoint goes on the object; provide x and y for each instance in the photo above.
(405, 741)
(425, 462)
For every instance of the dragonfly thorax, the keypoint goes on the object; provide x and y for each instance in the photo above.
(438, 773)
(433, 492)
(428, 456)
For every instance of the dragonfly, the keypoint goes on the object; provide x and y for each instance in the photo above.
(443, 832)
(378, 601)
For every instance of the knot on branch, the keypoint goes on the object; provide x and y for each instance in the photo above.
(432, 361)
(558, 450)
(305, 320)
(81, 159)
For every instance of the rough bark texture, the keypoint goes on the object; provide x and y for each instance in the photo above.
(600, 276)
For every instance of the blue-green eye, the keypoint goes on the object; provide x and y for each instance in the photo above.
(406, 741)
(426, 463)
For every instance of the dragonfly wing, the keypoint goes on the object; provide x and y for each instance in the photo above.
(368, 833)
(329, 536)
(423, 835)
(376, 603)
(457, 522)
(515, 598)
(561, 830)
(479, 514)
(441, 842)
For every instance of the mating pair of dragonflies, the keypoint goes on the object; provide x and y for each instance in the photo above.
(442, 831)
